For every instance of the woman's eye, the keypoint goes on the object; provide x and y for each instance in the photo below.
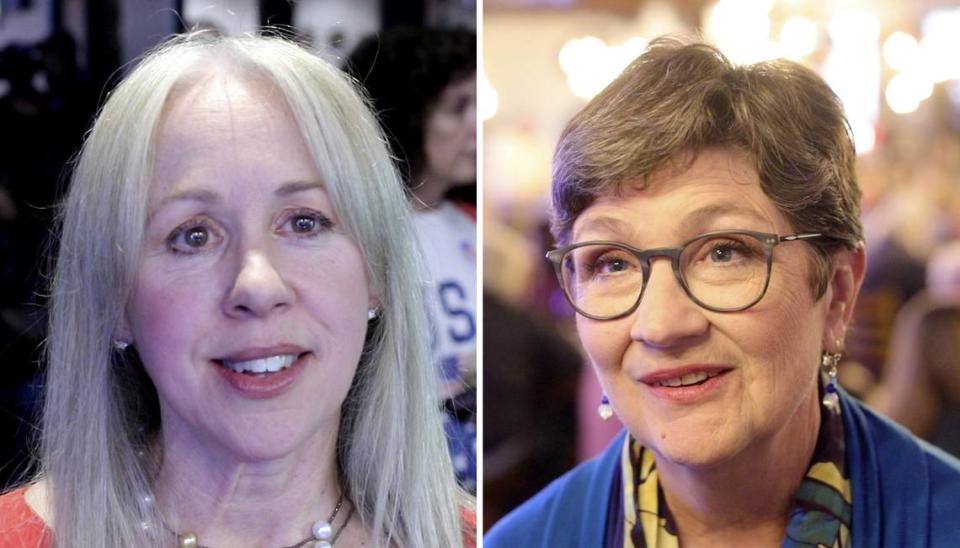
(730, 252)
(460, 106)
(191, 237)
(309, 223)
(303, 223)
(722, 254)
(197, 237)
(610, 262)
(611, 265)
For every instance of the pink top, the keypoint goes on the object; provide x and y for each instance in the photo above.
(20, 526)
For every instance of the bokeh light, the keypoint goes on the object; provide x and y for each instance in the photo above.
(940, 45)
(798, 37)
(900, 50)
(852, 69)
(488, 99)
(906, 91)
(741, 28)
(590, 64)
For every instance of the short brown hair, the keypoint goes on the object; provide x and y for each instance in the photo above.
(677, 99)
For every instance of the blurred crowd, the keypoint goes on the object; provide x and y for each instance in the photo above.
(902, 356)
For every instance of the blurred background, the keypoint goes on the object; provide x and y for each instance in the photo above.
(896, 67)
(58, 58)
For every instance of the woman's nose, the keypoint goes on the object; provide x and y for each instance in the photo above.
(257, 289)
(666, 317)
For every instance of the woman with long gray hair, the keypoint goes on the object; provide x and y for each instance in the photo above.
(237, 351)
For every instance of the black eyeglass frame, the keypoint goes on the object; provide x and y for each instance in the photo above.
(768, 240)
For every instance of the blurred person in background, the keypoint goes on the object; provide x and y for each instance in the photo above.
(707, 218)
(422, 83)
(529, 428)
(920, 387)
(237, 352)
(895, 273)
(943, 272)
(906, 214)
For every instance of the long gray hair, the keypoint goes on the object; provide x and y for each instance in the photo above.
(99, 413)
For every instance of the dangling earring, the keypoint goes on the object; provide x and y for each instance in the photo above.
(605, 410)
(828, 365)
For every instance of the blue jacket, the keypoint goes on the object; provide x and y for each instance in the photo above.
(905, 493)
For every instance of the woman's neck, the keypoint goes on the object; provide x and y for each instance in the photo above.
(746, 501)
(228, 502)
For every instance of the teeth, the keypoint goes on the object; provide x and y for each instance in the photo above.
(692, 378)
(687, 380)
(263, 365)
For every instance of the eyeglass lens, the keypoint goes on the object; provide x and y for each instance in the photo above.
(721, 271)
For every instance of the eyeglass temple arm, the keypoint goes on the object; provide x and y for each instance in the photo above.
(808, 236)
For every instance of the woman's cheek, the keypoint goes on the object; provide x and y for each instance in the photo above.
(603, 343)
(168, 307)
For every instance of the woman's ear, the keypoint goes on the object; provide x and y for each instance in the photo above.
(122, 332)
(849, 266)
(374, 306)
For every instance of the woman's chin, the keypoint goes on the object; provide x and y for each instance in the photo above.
(693, 459)
(700, 450)
(265, 450)
(256, 451)
(246, 442)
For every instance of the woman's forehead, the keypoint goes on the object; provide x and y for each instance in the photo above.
(717, 184)
(725, 164)
(224, 130)
(221, 92)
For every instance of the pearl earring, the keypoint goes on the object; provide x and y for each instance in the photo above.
(373, 313)
(605, 410)
(828, 364)
(120, 345)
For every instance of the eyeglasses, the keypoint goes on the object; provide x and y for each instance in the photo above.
(726, 271)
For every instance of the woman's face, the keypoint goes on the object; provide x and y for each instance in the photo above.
(450, 134)
(249, 308)
(765, 358)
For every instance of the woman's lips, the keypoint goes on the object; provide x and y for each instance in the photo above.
(687, 379)
(685, 384)
(268, 364)
(260, 352)
(262, 385)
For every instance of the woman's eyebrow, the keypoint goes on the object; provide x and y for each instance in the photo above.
(206, 196)
(201, 195)
(701, 216)
(197, 195)
(605, 224)
(294, 187)
(691, 222)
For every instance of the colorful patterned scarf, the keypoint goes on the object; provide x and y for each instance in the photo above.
(821, 508)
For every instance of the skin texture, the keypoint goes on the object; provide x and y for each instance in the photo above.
(450, 141)
(730, 460)
(274, 266)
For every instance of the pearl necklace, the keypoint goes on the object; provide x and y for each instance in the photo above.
(323, 534)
